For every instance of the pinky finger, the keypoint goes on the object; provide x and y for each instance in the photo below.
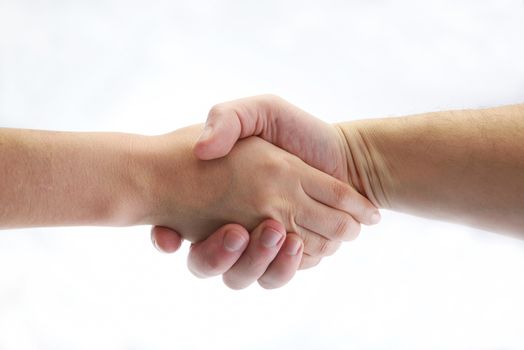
(285, 264)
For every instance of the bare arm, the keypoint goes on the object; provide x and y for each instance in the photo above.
(61, 179)
(437, 165)
(64, 179)
(462, 166)
(106, 179)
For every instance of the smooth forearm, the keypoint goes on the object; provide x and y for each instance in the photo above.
(62, 179)
(462, 166)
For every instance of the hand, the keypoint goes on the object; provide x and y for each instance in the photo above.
(279, 122)
(241, 257)
(246, 189)
(275, 120)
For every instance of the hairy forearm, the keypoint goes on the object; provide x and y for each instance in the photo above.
(462, 166)
(62, 179)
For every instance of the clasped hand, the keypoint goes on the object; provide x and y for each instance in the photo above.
(295, 183)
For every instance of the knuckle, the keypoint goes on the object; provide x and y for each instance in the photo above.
(271, 99)
(265, 208)
(347, 229)
(340, 193)
(306, 238)
(326, 247)
(280, 208)
(287, 212)
(268, 207)
(318, 246)
(360, 210)
(277, 166)
(342, 228)
(217, 110)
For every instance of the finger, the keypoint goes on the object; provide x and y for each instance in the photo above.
(309, 261)
(221, 132)
(266, 116)
(218, 252)
(315, 244)
(332, 224)
(266, 241)
(165, 239)
(336, 194)
(285, 265)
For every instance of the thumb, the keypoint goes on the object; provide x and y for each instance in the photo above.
(221, 132)
(230, 121)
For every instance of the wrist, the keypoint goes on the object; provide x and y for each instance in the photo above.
(177, 188)
(136, 203)
(367, 169)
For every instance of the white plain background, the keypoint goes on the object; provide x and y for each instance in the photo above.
(154, 66)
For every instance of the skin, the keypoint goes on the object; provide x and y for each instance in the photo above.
(109, 179)
(65, 179)
(461, 166)
(271, 118)
(257, 180)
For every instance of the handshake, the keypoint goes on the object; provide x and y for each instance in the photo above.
(265, 188)
(276, 202)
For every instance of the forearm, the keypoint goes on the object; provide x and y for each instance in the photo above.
(462, 166)
(63, 179)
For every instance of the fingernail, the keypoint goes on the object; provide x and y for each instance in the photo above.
(374, 218)
(206, 133)
(270, 237)
(293, 246)
(156, 245)
(233, 241)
